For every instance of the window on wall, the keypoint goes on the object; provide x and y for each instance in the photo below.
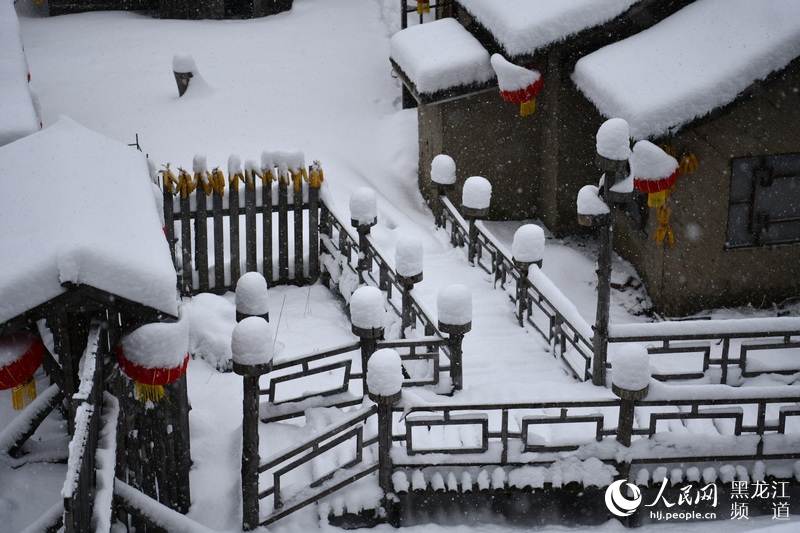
(764, 201)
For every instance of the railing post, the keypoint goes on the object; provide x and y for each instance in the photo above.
(251, 345)
(366, 315)
(385, 388)
(443, 175)
(454, 304)
(630, 378)
(527, 249)
(363, 215)
(408, 263)
(252, 297)
(475, 198)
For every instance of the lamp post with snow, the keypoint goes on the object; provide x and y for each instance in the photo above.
(363, 215)
(366, 317)
(408, 262)
(454, 307)
(595, 205)
(476, 197)
(527, 249)
(443, 175)
(252, 297)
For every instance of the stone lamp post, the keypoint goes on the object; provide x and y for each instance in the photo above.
(367, 318)
(476, 197)
(408, 263)
(363, 215)
(630, 381)
(454, 305)
(595, 206)
(527, 249)
(252, 347)
(443, 175)
(252, 297)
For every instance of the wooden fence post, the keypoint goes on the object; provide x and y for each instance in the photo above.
(266, 222)
(297, 201)
(187, 282)
(250, 261)
(475, 197)
(234, 176)
(366, 315)
(314, 184)
(283, 229)
(454, 304)
(201, 238)
(219, 236)
(408, 263)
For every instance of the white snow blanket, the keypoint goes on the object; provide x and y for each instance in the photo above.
(523, 26)
(691, 63)
(79, 207)
(440, 55)
(18, 116)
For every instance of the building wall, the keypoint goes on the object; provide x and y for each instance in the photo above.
(699, 272)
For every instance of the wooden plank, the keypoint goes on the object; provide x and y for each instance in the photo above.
(266, 229)
(283, 232)
(219, 238)
(297, 199)
(201, 239)
(313, 233)
(233, 222)
(187, 282)
(250, 223)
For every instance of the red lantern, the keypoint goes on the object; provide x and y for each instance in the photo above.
(21, 353)
(655, 173)
(655, 185)
(150, 381)
(518, 85)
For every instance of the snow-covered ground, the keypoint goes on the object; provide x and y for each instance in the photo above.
(316, 79)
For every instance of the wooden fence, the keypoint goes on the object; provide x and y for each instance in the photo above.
(217, 236)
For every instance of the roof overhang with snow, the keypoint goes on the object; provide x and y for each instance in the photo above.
(440, 60)
(521, 27)
(78, 213)
(691, 63)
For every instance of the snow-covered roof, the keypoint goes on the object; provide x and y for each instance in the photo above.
(79, 207)
(523, 26)
(691, 63)
(440, 55)
(18, 116)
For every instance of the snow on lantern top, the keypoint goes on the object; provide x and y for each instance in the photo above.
(511, 77)
(408, 256)
(363, 206)
(252, 342)
(613, 139)
(252, 297)
(477, 193)
(528, 244)
(366, 308)
(443, 170)
(630, 366)
(654, 170)
(158, 344)
(183, 63)
(454, 304)
(384, 373)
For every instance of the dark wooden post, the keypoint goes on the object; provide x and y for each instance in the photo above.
(234, 176)
(314, 183)
(627, 405)
(630, 382)
(443, 175)
(475, 197)
(251, 366)
(251, 263)
(201, 234)
(283, 229)
(385, 369)
(527, 248)
(297, 201)
(366, 315)
(187, 282)
(472, 215)
(408, 264)
(218, 180)
(363, 215)
(266, 220)
(455, 319)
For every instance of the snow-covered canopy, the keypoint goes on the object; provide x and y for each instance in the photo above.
(523, 26)
(691, 63)
(18, 116)
(440, 55)
(78, 207)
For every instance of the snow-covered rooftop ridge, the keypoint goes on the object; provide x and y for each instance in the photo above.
(691, 63)
(440, 55)
(18, 116)
(79, 207)
(523, 26)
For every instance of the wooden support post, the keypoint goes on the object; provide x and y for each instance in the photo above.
(266, 229)
(169, 221)
(313, 233)
(283, 232)
(201, 239)
(600, 338)
(369, 343)
(455, 341)
(187, 282)
(627, 406)
(251, 263)
(250, 457)
(364, 264)
(233, 221)
(219, 242)
(299, 268)
(407, 311)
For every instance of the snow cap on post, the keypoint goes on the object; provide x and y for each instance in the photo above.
(443, 170)
(408, 258)
(592, 210)
(364, 207)
(528, 245)
(184, 69)
(454, 305)
(630, 371)
(252, 346)
(613, 145)
(252, 296)
(367, 311)
(476, 197)
(385, 376)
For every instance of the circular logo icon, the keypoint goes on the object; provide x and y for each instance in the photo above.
(618, 503)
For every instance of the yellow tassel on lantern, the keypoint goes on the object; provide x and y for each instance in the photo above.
(149, 393)
(527, 108)
(23, 395)
(656, 199)
(423, 6)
